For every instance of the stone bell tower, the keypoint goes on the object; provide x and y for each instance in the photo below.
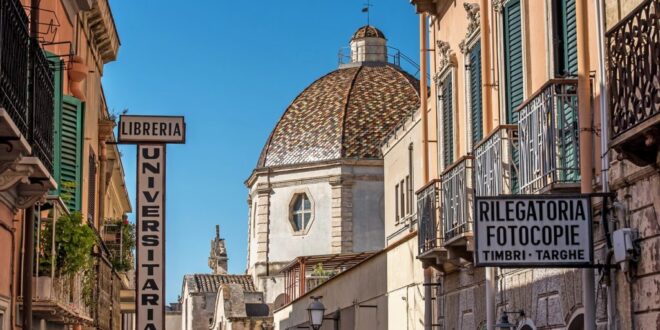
(218, 256)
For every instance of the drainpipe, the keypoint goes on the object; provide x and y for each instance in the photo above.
(491, 291)
(604, 157)
(586, 147)
(486, 67)
(28, 257)
(423, 96)
(28, 243)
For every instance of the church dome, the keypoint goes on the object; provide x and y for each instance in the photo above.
(368, 31)
(344, 114)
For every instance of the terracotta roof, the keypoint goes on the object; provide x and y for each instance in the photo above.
(344, 114)
(368, 31)
(211, 282)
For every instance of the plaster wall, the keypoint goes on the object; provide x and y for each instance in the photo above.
(359, 292)
(173, 320)
(405, 290)
(368, 225)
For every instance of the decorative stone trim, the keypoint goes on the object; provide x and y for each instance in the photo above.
(445, 58)
(498, 5)
(473, 17)
(30, 193)
(342, 215)
(292, 201)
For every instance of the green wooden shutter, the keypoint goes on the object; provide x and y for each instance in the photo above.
(447, 121)
(71, 151)
(565, 38)
(513, 59)
(57, 66)
(475, 93)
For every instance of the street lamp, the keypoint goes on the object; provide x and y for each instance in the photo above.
(316, 311)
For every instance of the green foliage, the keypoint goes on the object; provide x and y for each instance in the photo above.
(67, 189)
(122, 255)
(73, 245)
(321, 272)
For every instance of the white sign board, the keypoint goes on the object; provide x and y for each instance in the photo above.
(151, 129)
(533, 231)
(150, 286)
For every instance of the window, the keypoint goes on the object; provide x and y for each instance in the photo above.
(564, 39)
(447, 104)
(396, 202)
(513, 57)
(402, 199)
(474, 81)
(91, 194)
(409, 195)
(301, 212)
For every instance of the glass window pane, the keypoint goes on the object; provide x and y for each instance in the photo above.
(308, 216)
(308, 204)
(298, 204)
(297, 222)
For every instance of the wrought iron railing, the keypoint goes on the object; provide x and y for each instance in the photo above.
(20, 59)
(391, 54)
(457, 198)
(428, 202)
(14, 47)
(495, 166)
(41, 137)
(549, 137)
(634, 68)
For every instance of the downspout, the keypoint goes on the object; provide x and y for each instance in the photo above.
(488, 127)
(423, 98)
(612, 323)
(28, 243)
(586, 146)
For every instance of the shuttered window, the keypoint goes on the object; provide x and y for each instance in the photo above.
(71, 151)
(474, 74)
(447, 101)
(513, 59)
(91, 192)
(564, 38)
(67, 140)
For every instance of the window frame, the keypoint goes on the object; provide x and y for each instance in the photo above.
(469, 43)
(449, 73)
(293, 212)
(501, 51)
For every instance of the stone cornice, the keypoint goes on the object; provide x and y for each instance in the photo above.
(102, 26)
(445, 59)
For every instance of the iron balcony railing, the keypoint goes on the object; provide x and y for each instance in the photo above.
(495, 168)
(428, 202)
(634, 68)
(14, 48)
(548, 138)
(393, 55)
(20, 59)
(457, 198)
(41, 120)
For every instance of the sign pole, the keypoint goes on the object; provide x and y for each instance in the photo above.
(151, 134)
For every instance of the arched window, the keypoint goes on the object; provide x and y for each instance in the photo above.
(301, 212)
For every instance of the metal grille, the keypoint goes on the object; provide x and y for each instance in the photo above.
(43, 91)
(457, 198)
(495, 170)
(549, 145)
(633, 47)
(429, 226)
(14, 46)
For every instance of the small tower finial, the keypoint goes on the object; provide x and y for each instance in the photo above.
(366, 9)
(217, 231)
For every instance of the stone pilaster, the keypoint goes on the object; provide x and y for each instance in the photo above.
(342, 215)
(262, 218)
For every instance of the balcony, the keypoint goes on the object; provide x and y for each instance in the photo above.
(58, 297)
(495, 169)
(26, 116)
(634, 77)
(457, 203)
(428, 207)
(548, 138)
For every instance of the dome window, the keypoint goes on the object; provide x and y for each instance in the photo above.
(301, 212)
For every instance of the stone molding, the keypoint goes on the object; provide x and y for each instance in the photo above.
(472, 34)
(445, 60)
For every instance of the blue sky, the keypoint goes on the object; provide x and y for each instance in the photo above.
(231, 67)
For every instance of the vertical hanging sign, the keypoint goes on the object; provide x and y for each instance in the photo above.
(151, 134)
(150, 237)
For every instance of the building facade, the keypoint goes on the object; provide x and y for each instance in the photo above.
(63, 122)
(534, 97)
